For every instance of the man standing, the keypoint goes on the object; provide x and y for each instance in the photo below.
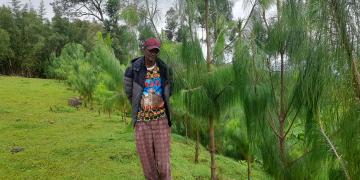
(148, 83)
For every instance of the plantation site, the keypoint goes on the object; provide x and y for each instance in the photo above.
(254, 89)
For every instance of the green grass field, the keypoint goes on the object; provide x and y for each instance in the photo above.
(65, 143)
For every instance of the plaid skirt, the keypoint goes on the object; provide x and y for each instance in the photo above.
(153, 146)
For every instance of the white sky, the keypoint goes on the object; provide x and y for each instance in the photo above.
(238, 11)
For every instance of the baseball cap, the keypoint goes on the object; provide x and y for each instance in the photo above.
(152, 43)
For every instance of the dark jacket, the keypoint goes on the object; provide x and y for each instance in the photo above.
(134, 80)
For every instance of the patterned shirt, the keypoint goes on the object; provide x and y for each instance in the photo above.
(152, 103)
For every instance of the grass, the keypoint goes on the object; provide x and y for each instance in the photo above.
(43, 138)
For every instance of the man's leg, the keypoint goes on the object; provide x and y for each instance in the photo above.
(145, 148)
(162, 136)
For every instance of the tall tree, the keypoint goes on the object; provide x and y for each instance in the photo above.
(206, 94)
(79, 8)
(42, 10)
(4, 49)
(299, 46)
(152, 11)
(171, 23)
(15, 5)
(112, 10)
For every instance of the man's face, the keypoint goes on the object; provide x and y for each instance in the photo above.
(150, 55)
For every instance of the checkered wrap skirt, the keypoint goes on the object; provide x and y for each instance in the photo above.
(153, 147)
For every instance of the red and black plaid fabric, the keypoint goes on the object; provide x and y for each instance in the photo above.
(153, 146)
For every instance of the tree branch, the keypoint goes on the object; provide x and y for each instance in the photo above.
(292, 122)
(333, 148)
(98, 8)
(231, 42)
(302, 156)
(248, 18)
(264, 18)
(219, 94)
(193, 89)
(91, 13)
(151, 17)
(272, 125)
(272, 84)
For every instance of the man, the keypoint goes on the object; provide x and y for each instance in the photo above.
(148, 86)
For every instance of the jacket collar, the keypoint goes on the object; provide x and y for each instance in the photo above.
(139, 63)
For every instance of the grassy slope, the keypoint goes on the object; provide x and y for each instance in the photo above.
(68, 143)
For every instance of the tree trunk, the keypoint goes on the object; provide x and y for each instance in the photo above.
(186, 127)
(11, 71)
(212, 149)
(248, 159)
(197, 146)
(278, 6)
(208, 53)
(282, 141)
(282, 114)
(211, 120)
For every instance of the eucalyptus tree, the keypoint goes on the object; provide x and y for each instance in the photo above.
(124, 37)
(4, 50)
(8, 26)
(109, 13)
(42, 10)
(152, 13)
(171, 23)
(16, 5)
(25, 29)
(77, 8)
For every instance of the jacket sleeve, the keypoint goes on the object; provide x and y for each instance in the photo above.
(128, 83)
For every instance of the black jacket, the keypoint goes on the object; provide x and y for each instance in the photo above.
(134, 80)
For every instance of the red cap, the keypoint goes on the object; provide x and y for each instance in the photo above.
(152, 43)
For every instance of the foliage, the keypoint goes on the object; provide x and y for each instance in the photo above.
(282, 89)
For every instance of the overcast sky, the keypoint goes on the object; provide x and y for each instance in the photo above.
(239, 10)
